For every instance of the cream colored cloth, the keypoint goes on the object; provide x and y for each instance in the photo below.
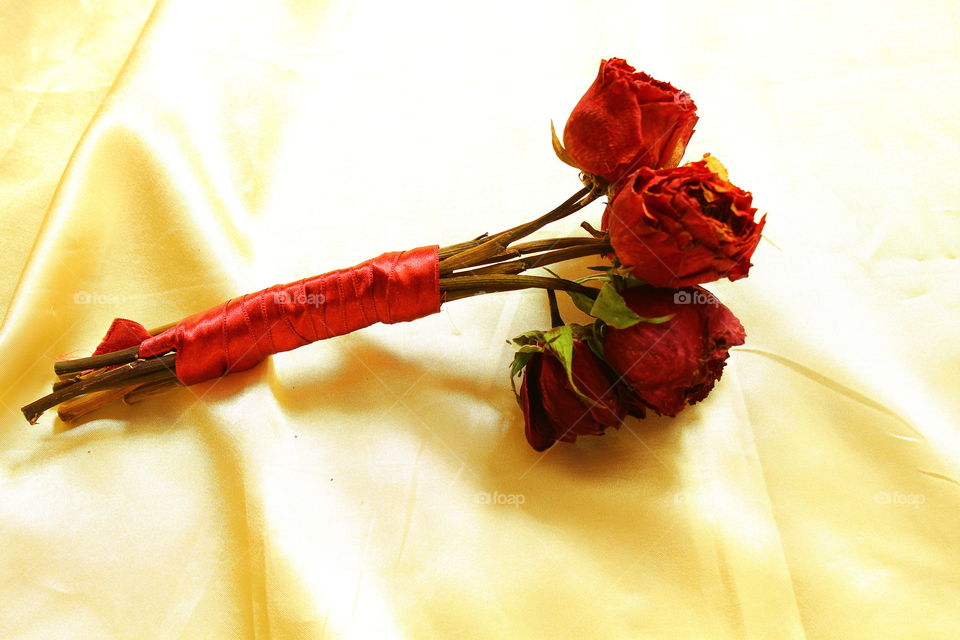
(155, 160)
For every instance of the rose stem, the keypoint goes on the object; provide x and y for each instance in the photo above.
(555, 319)
(586, 226)
(64, 382)
(455, 288)
(574, 203)
(537, 246)
(498, 242)
(151, 389)
(142, 373)
(550, 257)
(481, 250)
(446, 252)
(70, 410)
(460, 247)
(118, 376)
(122, 356)
(96, 362)
(458, 287)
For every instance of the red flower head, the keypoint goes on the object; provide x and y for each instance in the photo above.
(677, 362)
(683, 226)
(553, 409)
(628, 120)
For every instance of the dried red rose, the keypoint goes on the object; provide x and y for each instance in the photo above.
(683, 226)
(676, 363)
(627, 120)
(553, 411)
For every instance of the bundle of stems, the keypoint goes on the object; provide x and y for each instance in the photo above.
(487, 264)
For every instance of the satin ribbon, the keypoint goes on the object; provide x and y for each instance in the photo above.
(236, 335)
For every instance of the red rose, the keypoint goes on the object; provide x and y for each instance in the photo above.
(683, 226)
(676, 363)
(627, 120)
(553, 411)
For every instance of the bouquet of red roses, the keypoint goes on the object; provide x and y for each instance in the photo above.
(658, 341)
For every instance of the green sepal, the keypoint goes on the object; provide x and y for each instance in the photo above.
(624, 281)
(520, 360)
(529, 338)
(560, 342)
(581, 301)
(594, 340)
(612, 309)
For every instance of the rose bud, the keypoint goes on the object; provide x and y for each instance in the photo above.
(675, 363)
(683, 226)
(553, 410)
(628, 120)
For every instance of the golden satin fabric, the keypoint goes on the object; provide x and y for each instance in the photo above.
(158, 159)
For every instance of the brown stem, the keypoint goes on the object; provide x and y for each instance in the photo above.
(586, 226)
(72, 410)
(144, 377)
(458, 287)
(146, 387)
(573, 204)
(64, 382)
(446, 252)
(556, 320)
(480, 250)
(139, 378)
(150, 389)
(499, 242)
(536, 246)
(96, 362)
(543, 259)
(110, 359)
(118, 376)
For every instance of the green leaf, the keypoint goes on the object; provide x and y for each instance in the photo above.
(530, 337)
(594, 342)
(560, 342)
(558, 148)
(611, 308)
(520, 360)
(630, 282)
(582, 301)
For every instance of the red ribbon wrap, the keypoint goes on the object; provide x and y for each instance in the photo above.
(236, 335)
